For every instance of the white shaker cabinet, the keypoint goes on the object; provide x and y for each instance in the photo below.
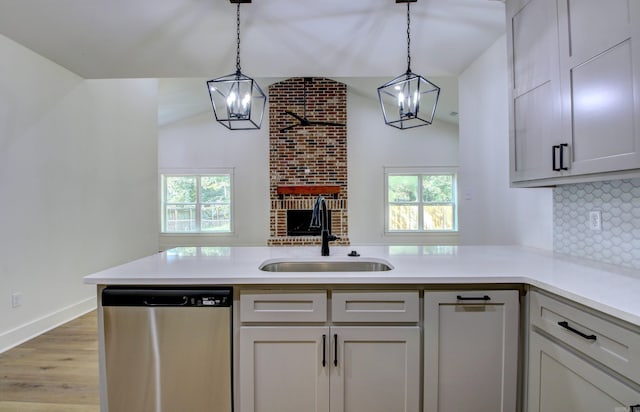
(281, 369)
(282, 352)
(471, 351)
(562, 381)
(294, 358)
(580, 360)
(600, 77)
(575, 90)
(375, 369)
(535, 105)
(376, 351)
(337, 369)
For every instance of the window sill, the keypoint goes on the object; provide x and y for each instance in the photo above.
(423, 238)
(177, 234)
(171, 240)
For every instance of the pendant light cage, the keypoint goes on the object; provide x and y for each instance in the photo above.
(238, 101)
(409, 100)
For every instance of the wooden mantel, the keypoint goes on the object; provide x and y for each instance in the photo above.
(308, 190)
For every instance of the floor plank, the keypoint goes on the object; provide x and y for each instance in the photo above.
(56, 371)
(45, 407)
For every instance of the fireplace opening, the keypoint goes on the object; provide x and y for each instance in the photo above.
(298, 223)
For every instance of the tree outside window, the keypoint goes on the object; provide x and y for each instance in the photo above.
(421, 202)
(196, 203)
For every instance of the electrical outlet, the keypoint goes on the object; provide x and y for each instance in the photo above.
(595, 220)
(620, 409)
(16, 299)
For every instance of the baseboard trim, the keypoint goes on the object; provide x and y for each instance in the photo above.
(30, 330)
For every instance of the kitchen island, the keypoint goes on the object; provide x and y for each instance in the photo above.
(432, 297)
(609, 289)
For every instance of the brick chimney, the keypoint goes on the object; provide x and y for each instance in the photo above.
(306, 161)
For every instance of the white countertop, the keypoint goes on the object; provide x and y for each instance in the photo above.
(607, 289)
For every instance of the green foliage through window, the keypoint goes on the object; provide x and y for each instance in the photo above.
(196, 204)
(421, 202)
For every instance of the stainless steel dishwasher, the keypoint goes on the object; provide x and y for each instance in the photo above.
(168, 349)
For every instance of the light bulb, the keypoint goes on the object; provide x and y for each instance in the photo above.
(231, 99)
(245, 101)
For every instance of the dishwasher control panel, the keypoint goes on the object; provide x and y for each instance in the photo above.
(213, 301)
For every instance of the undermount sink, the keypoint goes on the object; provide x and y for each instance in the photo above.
(371, 265)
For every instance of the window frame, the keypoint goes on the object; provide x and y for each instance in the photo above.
(419, 172)
(198, 174)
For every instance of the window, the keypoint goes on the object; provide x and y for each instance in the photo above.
(196, 203)
(421, 202)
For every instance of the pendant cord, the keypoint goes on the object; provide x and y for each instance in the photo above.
(238, 39)
(408, 38)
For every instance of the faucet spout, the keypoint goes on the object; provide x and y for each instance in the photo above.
(321, 219)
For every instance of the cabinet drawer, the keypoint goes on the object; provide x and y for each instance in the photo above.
(608, 343)
(375, 306)
(283, 306)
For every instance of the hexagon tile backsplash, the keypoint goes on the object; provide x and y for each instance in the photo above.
(618, 241)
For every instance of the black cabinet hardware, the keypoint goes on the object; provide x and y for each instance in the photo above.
(324, 350)
(557, 156)
(554, 156)
(485, 298)
(562, 165)
(335, 355)
(634, 408)
(565, 325)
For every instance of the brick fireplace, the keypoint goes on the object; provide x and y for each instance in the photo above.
(307, 161)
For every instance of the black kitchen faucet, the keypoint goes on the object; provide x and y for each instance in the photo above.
(320, 218)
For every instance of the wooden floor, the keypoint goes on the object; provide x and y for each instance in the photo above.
(55, 372)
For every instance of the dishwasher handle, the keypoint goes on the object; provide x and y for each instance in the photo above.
(166, 301)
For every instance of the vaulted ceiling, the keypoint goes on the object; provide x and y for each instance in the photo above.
(280, 38)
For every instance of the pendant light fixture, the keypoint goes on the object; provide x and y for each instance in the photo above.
(237, 100)
(409, 100)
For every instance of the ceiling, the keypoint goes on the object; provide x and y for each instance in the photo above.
(280, 38)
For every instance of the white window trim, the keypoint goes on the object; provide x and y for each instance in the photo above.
(421, 170)
(196, 172)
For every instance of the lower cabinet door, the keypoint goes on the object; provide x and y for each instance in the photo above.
(561, 381)
(375, 369)
(471, 351)
(282, 370)
(317, 369)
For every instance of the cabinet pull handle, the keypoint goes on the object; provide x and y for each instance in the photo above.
(634, 408)
(562, 166)
(335, 348)
(554, 150)
(485, 298)
(324, 350)
(565, 325)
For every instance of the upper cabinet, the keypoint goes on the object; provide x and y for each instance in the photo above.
(535, 109)
(575, 90)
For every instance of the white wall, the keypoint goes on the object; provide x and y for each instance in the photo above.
(78, 186)
(372, 146)
(198, 142)
(490, 211)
